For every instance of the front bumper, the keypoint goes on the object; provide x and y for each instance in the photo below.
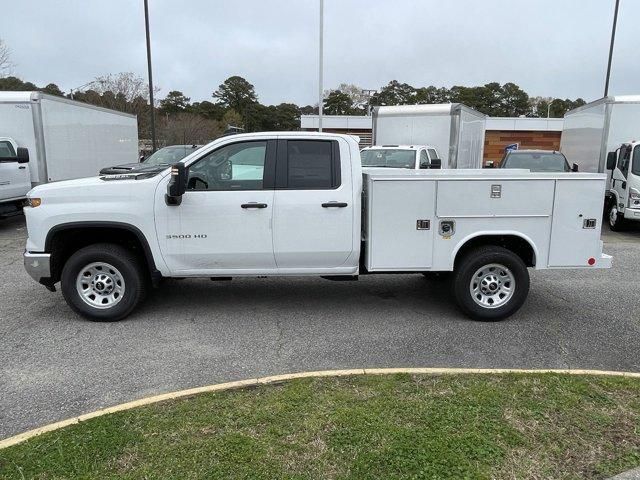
(38, 266)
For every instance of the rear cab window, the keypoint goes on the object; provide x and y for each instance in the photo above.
(308, 165)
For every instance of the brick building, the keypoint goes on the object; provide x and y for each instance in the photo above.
(538, 133)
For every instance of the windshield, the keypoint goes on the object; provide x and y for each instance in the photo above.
(169, 155)
(6, 149)
(537, 161)
(392, 158)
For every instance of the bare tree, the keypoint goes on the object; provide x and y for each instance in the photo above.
(125, 86)
(6, 65)
(358, 96)
(189, 128)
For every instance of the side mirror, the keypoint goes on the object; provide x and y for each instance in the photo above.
(436, 163)
(611, 160)
(489, 164)
(177, 184)
(141, 159)
(574, 167)
(22, 155)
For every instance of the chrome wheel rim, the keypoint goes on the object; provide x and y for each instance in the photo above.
(100, 285)
(492, 285)
(613, 216)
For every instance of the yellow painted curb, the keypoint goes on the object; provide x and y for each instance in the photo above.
(281, 378)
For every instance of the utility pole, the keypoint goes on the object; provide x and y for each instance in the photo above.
(320, 90)
(151, 106)
(613, 37)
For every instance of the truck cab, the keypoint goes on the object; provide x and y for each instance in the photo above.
(624, 185)
(414, 157)
(15, 179)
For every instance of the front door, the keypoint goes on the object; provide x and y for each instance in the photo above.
(223, 225)
(314, 205)
(15, 181)
(620, 174)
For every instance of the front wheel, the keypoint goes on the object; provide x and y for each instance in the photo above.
(616, 219)
(490, 283)
(103, 282)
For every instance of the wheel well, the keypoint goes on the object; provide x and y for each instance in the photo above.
(516, 244)
(66, 240)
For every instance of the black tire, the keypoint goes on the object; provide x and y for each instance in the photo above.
(129, 271)
(615, 219)
(483, 257)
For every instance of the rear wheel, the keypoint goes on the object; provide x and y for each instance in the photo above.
(103, 282)
(490, 283)
(616, 219)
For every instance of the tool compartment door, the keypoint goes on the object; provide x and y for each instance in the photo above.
(573, 240)
(396, 241)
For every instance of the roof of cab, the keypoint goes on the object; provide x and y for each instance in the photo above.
(398, 147)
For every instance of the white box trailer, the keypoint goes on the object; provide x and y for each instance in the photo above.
(599, 127)
(67, 139)
(456, 131)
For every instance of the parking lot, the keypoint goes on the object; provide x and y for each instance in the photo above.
(189, 333)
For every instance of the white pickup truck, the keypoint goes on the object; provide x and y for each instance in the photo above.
(269, 204)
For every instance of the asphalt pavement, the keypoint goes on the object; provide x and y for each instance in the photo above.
(54, 364)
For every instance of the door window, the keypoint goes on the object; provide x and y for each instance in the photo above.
(624, 160)
(311, 165)
(635, 168)
(433, 154)
(239, 166)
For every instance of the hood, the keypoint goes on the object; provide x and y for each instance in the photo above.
(129, 168)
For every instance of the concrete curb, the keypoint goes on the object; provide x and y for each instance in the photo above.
(628, 475)
(22, 437)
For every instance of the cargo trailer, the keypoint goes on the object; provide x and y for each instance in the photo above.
(455, 130)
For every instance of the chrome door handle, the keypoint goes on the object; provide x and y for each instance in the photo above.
(254, 205)
(22, 167)
(334, 205)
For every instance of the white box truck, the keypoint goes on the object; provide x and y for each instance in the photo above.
(455, 130)
(297, 203)
(601, 136)
(64, 139)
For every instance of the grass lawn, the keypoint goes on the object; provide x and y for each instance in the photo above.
(387, 426)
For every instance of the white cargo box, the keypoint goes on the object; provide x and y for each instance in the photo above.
(558, 214)
(67, 139)
(455, 130)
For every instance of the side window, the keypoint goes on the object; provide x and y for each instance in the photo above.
(239, 166)
(624, 160)
(433, 154)
(635, 167)
(424, 159)
(312, 164)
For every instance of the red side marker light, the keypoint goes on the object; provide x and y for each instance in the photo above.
(591, 261)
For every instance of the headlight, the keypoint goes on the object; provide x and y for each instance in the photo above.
(34, 202)
(634, 198)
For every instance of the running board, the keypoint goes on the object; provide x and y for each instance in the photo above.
(341, 278)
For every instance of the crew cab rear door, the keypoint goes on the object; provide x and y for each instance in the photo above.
(313, 211)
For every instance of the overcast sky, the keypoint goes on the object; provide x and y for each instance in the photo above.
(548, 47)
